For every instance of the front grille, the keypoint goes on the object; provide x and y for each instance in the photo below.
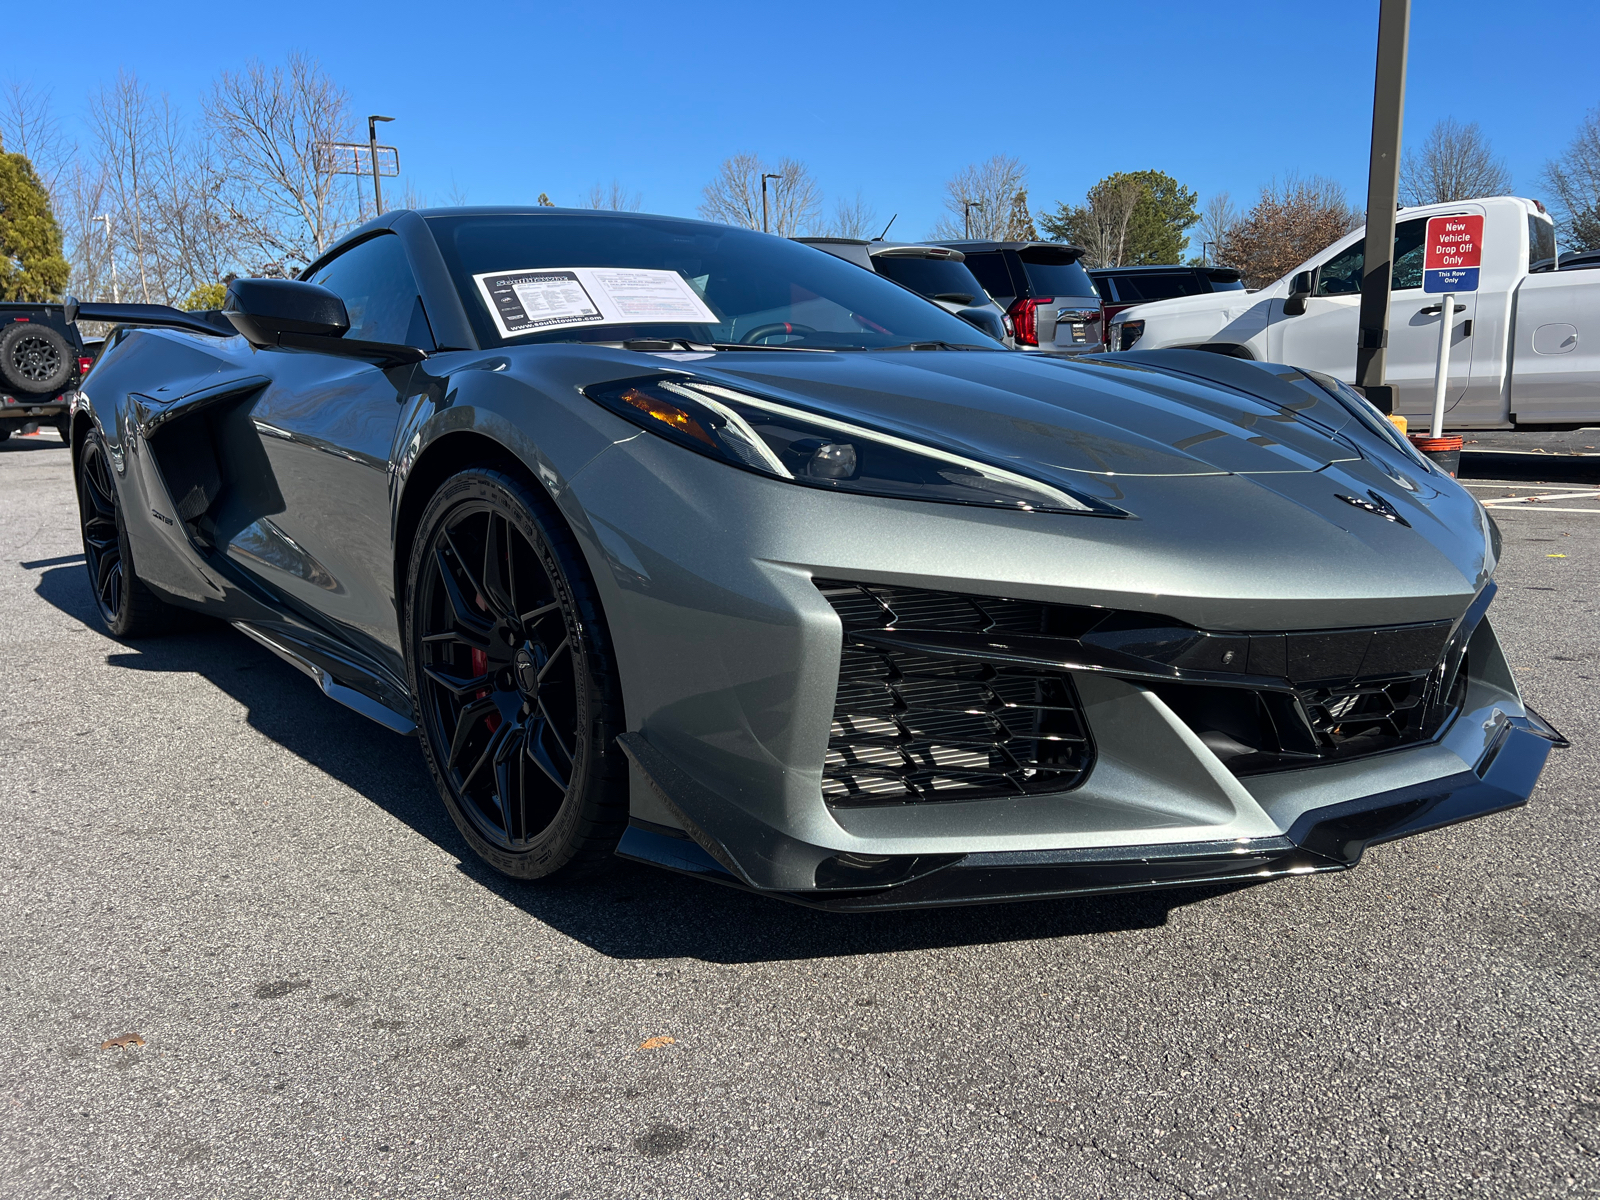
(952, 717)
(911, 728)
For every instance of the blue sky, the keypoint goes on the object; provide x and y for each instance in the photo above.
(504, 101)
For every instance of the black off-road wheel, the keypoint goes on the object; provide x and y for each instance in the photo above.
(127, 607)
(34, 358)
(516, 688)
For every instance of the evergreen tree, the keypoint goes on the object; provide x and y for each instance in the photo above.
(1154, 231)
(32, 266)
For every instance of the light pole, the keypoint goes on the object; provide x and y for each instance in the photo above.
(764, 179)
(1204, 261)
(1383, 188)
(372, 144)
(966, 215)
(112, 255)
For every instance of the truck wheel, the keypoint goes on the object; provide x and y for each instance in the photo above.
(34, 358)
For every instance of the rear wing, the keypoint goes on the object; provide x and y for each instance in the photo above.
(212, 324)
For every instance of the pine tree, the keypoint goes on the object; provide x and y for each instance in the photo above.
(32, 266)
(1019, 224)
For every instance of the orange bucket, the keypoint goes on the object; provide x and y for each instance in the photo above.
(1445, 452)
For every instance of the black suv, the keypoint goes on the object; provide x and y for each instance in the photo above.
(1123, 287)
(42, 361)
(1045, 291)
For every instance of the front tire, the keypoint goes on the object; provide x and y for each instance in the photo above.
(127, 607)
(516, 688)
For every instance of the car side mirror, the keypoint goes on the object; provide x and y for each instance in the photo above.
(302, 316)
(263, 310)
(986, 319)
(1300, 288)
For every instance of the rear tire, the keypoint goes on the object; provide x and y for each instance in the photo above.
(127, 607)
(510, 664)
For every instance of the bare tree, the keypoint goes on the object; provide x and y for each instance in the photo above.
(1219, 215)
(853, 218)
(1289, 223)
(29, 126)
(986, 190)
(734, 196)
(1574, 178)
(1453, 163)
(615, 198)
(125, 124)
(1100, 224)
(269, 124)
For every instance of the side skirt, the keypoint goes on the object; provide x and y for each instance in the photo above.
(339, 680)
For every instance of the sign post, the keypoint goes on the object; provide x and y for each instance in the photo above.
(1452, 253)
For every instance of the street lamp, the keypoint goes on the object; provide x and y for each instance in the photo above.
(110, 253)
(1203, 245)
(966, 215)
(372, 143)
(764, 179)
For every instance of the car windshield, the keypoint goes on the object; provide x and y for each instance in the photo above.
(560, 276)
(940, 278)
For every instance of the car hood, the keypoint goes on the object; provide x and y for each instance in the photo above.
(1230, 303)
(1273, 454)
(1107, 419)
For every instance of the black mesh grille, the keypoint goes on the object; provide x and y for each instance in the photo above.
(910, 728)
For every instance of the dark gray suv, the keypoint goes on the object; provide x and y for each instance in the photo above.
(936, 272)
(1045, 291)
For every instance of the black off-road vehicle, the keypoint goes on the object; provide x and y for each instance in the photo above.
(42, 361)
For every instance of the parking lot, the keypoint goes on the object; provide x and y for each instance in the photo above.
(331, 997)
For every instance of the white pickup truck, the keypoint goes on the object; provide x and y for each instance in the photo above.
(1525, 347)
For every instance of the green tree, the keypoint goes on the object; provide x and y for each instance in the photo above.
(32, 266)
(206, 297)
(1153, 232)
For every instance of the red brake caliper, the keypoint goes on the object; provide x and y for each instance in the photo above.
(480, 666)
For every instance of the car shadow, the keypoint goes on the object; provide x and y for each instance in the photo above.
(26, 443)
(633, 911)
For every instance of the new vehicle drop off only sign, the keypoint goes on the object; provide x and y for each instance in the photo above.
(1452, 251)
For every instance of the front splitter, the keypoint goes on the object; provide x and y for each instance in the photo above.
(1325, 839)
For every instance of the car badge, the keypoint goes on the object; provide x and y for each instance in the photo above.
(1377, 506)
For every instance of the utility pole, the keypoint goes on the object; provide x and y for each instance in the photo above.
(372, 143)
(764, 179)
(966, 215)
(1383, 192)
(112, 255)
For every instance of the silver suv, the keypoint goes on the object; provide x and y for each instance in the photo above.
(1045, 291)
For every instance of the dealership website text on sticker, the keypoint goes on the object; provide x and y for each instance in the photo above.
(541, 298)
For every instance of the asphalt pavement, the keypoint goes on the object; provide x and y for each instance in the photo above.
(319, 993)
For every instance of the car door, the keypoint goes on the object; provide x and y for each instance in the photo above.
(328, 424)
(1323, 338)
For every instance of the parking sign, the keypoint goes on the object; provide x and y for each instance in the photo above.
(1452, 251)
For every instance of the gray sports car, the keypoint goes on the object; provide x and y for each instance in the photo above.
(706, 549)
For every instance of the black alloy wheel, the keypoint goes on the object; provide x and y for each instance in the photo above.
(511, 670)
(127, 607)
(34, 358)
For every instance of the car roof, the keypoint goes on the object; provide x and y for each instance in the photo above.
(1066, 251)
(1224, 273)
(877, 248)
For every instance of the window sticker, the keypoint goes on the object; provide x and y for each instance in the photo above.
(533, 300)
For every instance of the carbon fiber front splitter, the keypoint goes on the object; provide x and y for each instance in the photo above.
(1325, 839)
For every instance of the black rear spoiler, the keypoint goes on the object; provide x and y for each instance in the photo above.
(213, 324)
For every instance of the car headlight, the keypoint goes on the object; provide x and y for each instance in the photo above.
(819, 451)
